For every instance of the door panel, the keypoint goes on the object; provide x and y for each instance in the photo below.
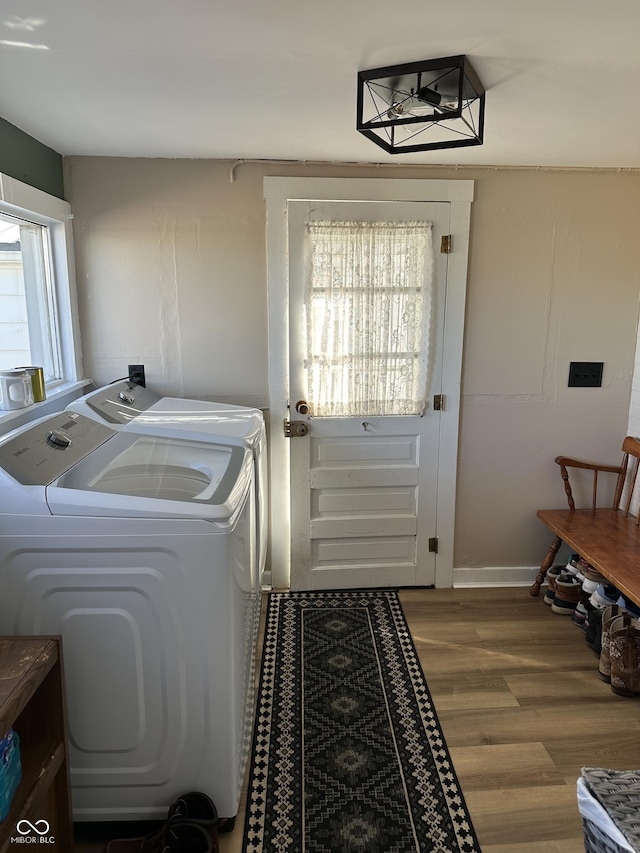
(364, 489)
(363, 556)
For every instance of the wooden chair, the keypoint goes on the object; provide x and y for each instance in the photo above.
(606, 537)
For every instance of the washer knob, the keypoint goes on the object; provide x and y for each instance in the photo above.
(58, 438)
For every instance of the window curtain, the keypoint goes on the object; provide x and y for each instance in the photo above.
(368, 301)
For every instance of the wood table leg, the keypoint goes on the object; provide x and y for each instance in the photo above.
(547, 563)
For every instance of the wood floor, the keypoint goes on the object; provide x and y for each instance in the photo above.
(522, 709)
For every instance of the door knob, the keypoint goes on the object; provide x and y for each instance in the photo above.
(302, 407)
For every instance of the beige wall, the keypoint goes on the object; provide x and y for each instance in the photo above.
(171, 272)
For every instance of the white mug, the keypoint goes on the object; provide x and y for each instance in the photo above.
(16, 389)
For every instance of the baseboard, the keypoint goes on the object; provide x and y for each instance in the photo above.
(482, 576)
(495, 576)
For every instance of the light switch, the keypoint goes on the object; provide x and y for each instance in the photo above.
(585, 374)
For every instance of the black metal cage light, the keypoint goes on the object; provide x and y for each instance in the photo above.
(421, 106)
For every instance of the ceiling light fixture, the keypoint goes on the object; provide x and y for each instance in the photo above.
(421, 106)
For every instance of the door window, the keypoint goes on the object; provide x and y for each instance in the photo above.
(368, 299)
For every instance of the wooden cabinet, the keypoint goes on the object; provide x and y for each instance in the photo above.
(32, 703)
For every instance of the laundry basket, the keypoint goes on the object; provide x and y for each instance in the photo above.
(609, 804)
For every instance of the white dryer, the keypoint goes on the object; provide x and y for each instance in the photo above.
(125, 405)
(139, 551)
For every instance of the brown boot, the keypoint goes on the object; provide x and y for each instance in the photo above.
(604, 667)
(198, 808)
(175, 836)
(568, 591)
(551, 577)
(624, 654)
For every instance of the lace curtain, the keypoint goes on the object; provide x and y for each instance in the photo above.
(368, 295)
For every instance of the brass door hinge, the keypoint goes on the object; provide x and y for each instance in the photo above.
(445, 244)
(433, 544)
(438, 402)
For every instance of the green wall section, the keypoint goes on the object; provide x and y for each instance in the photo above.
(24, 158)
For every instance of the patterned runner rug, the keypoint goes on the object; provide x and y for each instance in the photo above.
(348, 754)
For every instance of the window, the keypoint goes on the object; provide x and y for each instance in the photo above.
(368, 309)
(28, 331)
(38, 324)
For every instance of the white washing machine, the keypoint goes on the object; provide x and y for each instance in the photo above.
(139, 551)
(125, 405)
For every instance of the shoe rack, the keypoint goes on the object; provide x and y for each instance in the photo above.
(32, 704)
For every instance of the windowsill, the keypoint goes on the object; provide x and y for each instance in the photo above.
(58, 398)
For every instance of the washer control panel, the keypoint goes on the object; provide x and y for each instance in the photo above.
(37, 456)
(121, 402)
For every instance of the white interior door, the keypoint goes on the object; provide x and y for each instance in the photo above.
(329, 505)
(364, 487)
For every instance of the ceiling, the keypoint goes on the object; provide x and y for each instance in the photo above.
(276, 79)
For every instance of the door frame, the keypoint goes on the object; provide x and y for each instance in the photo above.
(278, 191)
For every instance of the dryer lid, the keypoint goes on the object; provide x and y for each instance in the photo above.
(192, 418)
(127, 405)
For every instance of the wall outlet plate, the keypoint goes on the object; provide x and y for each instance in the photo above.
(136, 374)
(585, 374)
